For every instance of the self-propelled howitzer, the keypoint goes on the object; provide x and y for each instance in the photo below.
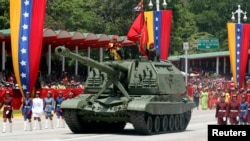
(149, 95)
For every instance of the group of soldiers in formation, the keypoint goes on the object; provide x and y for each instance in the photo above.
(34, 107)
(236, 111)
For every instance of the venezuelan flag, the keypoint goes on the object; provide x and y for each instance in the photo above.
(159, 28)
(26, 25)
(238, 41)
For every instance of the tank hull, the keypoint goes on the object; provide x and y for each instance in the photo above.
(148, 114)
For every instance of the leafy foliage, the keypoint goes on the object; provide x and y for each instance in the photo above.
(4, 14)
(192, 19)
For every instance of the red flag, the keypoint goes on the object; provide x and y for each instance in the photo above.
(136, 28)
(144, 38)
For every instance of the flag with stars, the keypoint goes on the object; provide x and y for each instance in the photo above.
(159, 28)
(238, 42)
(26, 25)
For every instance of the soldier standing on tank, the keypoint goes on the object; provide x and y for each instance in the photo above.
(234, 110)
(221, 111)
(114, 49)
(7, 102)
(152, 53)
(27, 110)
(37, 109)
(49, 104)
(243, 110)
(58, 110)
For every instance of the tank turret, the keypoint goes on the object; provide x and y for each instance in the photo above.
(115, 73)
(151, 95)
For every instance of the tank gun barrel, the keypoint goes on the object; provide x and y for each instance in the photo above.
(62, 51)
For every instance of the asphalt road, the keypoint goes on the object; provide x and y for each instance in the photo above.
(196, 131)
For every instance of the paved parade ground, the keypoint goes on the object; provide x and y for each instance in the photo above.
(196, 131)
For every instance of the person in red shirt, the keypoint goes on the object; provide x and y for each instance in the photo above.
(240, 93)
(221, 111)
(233, 110)
(248, 101)
(7, 110)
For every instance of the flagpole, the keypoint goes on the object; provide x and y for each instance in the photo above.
(185, 48)
(157, 5)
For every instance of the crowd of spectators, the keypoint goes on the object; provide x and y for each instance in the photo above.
(63, 81)
(206, 88)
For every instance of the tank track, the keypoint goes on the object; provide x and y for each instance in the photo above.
(147, 124)
(74, 123)
(77, 125)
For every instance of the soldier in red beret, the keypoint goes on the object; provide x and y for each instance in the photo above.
(7, 110)
(234, 110)
(241, 92)
(221, 111)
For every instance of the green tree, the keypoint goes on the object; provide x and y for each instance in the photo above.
(183, 26)
(192, 19)
(212, 16)
(4, 14)
(110, 17)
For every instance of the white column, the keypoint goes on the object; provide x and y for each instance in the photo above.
(224, 65)
(217, 64)
(3, 55)
(76, 62)
(63, 62)
(49, 60)
(248, 65)
(101, 54)
(186, 65)
(89, 57)
(185, 48)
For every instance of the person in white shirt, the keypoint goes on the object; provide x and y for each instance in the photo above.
(37, 109)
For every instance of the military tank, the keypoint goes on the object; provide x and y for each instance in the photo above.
(151, 95)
